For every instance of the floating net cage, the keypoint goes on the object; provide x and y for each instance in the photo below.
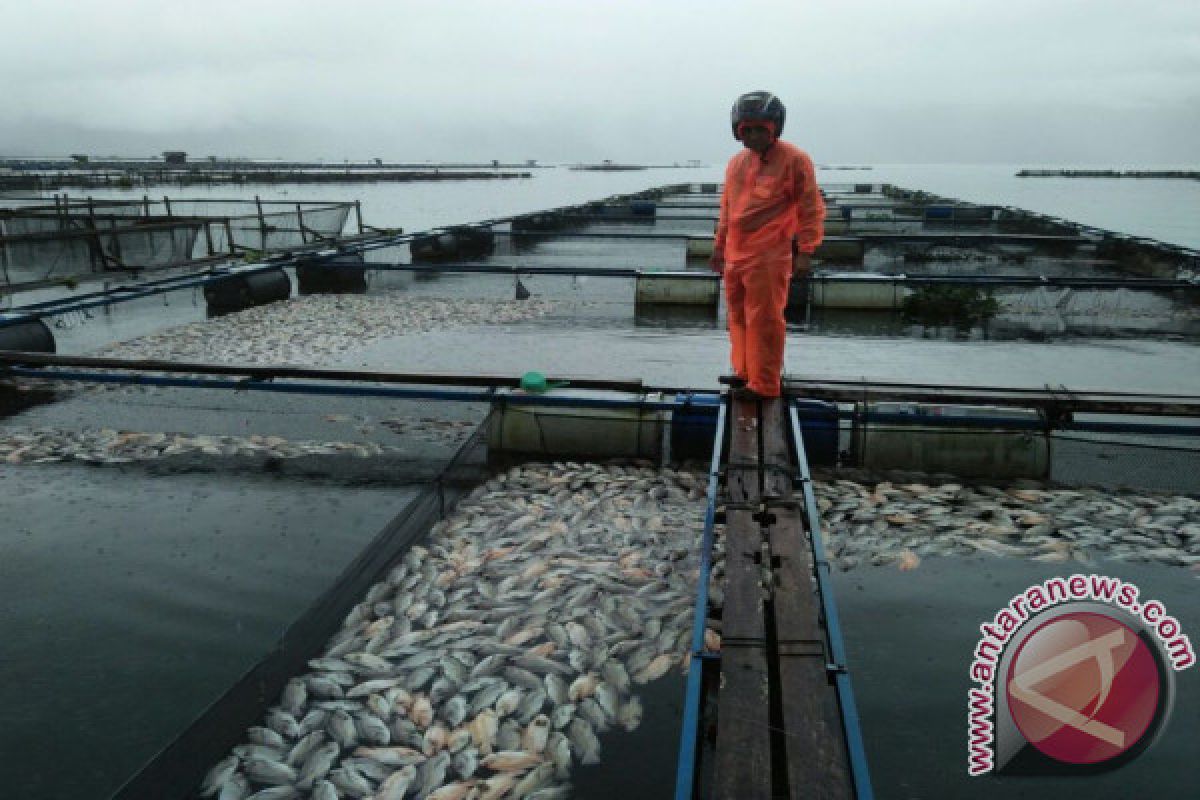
(74, 239)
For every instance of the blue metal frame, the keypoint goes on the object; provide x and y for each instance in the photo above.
(492, 395)
(685, 773)
(850, 721)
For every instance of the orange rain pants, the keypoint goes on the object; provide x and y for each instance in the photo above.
(768, 202)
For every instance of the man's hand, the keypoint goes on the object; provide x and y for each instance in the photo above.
(717, 262)
(801, 265)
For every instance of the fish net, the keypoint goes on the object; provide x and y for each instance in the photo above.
(73, 240)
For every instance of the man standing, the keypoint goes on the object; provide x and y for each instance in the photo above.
(772, 219)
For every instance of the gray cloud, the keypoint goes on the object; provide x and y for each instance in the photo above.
(864, 81)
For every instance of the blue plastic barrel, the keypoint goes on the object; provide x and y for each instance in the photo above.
(939, 212)
(643, 208)
(694, 425)
(819, 426)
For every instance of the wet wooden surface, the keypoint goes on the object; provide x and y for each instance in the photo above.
(743, 750)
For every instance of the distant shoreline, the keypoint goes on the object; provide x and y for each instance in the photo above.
(1172, 174)
(108, 179)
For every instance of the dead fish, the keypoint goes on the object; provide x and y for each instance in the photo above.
(303, 748)
(498, 786)
(342, 729)
(271, 772)
(453, 791)
(422, 711)
(584, 740)
(583, 686)
(432, 774)
(396, 785)
(534, 738)
(324, 790)
(629, 715)
(236, 788)
(391, 756)
(655, 669)
(511, 760)
(350, 781)
(317, 765)
(537, 778)
(266, 737)
(218, 775)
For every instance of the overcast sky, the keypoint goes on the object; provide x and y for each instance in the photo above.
(873, 81)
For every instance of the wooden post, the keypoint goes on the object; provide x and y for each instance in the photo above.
(300, 223)
(208, 240)
(167, 203)
(358, 215)
(229, 237)
(115, 249)
(146, 204)
(262, 223)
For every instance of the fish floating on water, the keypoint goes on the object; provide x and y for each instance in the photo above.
(885, 522)
(493, 656)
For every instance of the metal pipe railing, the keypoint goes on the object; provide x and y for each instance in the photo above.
(689, 735)
(851, 723)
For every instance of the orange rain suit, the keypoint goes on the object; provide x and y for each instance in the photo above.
(768, 200)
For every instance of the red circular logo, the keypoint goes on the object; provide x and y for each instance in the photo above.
(1083, 688)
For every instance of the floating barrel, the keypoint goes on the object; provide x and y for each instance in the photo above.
(863, 188)
(677, 288)
(841, 250)
(865, 290)
(819, 430)
(243, 290)
(346, 272)
(29, 335)
(475, 240)
(694, 425)
(463, 241)
(975, 214)
(582, 430)
(1000, 442)
(643, 208)
(836, 225)
(699, 246)
(980, 215)
(543, 221)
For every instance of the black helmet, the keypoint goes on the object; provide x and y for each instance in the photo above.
(762, 106)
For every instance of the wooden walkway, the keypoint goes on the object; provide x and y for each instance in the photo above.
(779, 729)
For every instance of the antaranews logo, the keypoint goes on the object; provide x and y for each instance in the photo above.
(1073, 675)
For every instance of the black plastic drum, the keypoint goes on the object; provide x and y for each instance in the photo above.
(340, 274)
(245, 290)
(28, 336)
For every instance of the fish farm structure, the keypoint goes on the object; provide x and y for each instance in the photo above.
(174, 169)
(574, 584)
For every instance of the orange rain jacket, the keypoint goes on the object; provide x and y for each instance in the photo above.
(766, 203)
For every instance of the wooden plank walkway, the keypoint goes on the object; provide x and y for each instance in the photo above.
(778, 721)
(743, 763)
(817, 762)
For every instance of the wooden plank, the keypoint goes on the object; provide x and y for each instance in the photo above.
(777, 481)
(817, 763)
(743, 750)
(742, 473)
